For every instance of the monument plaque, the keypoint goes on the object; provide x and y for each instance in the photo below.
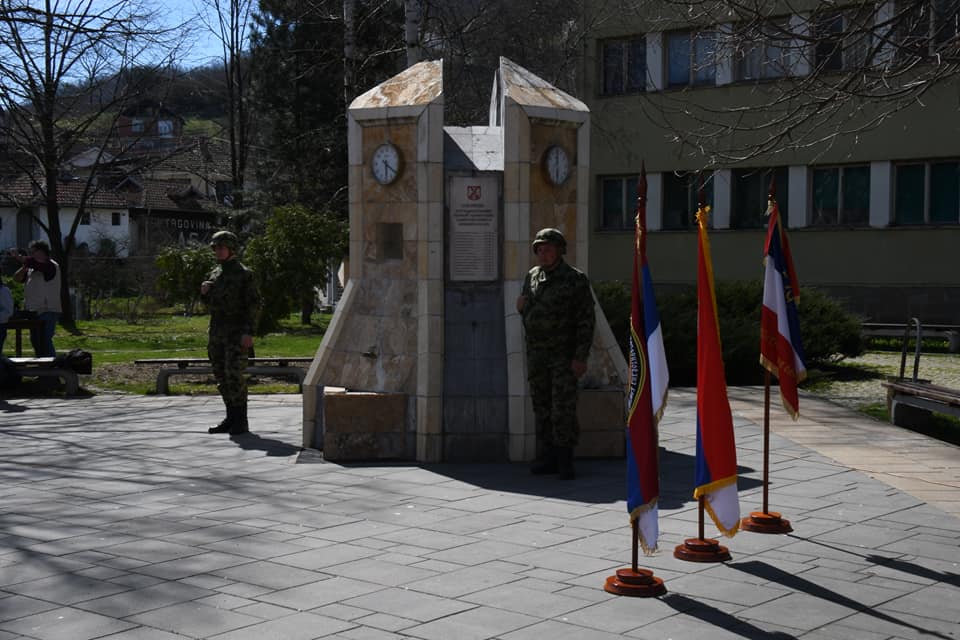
(474, 228)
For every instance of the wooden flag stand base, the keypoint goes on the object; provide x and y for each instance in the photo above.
(635, 582)
(766, 521)
(701, 549)
(639, 583)
(760, 522)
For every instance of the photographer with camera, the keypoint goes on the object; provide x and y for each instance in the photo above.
(41, 293)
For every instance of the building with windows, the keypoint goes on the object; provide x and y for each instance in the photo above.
(871, 196)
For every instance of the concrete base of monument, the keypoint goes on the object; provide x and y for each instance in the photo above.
(369, 426)
(602, 420)
(361, 425)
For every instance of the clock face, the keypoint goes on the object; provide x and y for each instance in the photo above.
(557, 164)
(385, 163)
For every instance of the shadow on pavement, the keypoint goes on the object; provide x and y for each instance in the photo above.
(598, 480)
(721, 619)
(8, 407)
(253, 442)
(802, 585)
(915, 569)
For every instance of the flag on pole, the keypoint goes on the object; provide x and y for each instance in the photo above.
(649, 380)
(716, 464)
(781, 349)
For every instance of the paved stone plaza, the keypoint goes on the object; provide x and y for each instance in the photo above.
(121, 518)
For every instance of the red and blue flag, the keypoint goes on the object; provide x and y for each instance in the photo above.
(716, 463)
(781, 349)
(649, 379)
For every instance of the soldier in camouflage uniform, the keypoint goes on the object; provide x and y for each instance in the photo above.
(231, 295)
(558, 317)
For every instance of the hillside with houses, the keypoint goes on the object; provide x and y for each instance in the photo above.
(152, 184)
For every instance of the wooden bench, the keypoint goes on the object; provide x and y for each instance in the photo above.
(906, 397)
(912, 400)
(279, 367)
(43, 368)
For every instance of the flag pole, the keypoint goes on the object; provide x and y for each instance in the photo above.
(766, 521)
(635, 581)
(701, 548)
(700, 534)
(766, 442)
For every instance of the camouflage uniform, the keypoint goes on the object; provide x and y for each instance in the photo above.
(558, 318)
(233, 301)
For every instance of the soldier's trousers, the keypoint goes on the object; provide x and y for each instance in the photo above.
(229, 362)
(553, 390)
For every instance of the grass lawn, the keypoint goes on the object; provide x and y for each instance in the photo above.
(115, 344)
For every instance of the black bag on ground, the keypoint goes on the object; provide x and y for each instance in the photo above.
(77, 359)
(9, 378)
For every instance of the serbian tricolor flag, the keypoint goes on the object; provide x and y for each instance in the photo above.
(716, 465)
(781, 350)
(648, 389)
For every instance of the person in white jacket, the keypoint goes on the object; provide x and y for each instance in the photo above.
(41, 294)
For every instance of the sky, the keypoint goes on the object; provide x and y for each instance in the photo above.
(205, 46)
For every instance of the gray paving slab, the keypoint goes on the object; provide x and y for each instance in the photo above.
(194, 620)
(475, 624)
(414, 605)
(111, 530)
(17, 606)
(66, 588)
(65, 624)
(122, 605)
(300, 626)
(316, 594)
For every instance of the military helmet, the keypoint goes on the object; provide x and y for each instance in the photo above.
(553, 236)
(225, 239)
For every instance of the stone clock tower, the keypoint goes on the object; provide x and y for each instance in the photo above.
(424, 358)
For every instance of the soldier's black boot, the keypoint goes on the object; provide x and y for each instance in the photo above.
(546, 463)
(565, 463)
(226, 425)
(239, 426)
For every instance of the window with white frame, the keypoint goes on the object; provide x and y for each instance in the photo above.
(115, 218)
(840, 196)
(691, 58)
(926, 27)
(927, 192)
(165, 128)
(750, 193)
(764, 51)
(682, 195)
(623, 65)
(618, 202)
(843, 39)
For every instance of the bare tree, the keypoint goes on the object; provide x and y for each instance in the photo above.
(816, 72)
(349, 51)
(229, 22)
(64, 80)
(413, 15)
(546, 36)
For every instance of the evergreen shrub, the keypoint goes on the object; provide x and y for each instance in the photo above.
(829, 331)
